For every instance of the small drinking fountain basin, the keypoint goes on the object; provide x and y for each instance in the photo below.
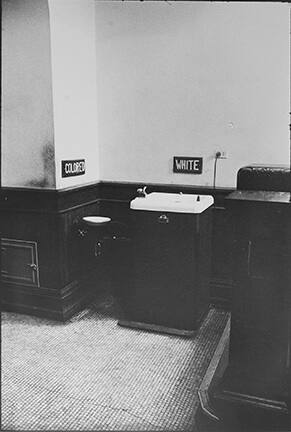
(96, 220)
(172, 202)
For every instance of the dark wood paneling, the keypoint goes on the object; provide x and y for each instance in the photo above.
(81, 196)
(42, 229)
(19, 262)
(52, 219)
(259, 357)
(222, 240)
(45, 302)
(28, 200)
(115, 199)
(46, 201)
(165, 271)
(74, 258)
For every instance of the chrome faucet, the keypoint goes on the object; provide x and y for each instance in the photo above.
(142, 192)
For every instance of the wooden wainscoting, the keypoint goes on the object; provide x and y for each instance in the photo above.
(52, 219)
(114, 202)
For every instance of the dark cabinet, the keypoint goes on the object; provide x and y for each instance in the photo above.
(171, 270)
(259, 353)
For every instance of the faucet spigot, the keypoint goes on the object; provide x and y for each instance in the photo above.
(142, 192)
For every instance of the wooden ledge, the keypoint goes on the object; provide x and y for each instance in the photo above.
(157, 328)
(214, 372)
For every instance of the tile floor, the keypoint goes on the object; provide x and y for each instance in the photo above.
(91, 374)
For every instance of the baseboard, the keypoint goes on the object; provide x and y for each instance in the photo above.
(157, 328)
(47, 303)
(21, 308)
(254, 401)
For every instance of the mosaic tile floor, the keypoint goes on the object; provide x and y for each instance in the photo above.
(91, 374)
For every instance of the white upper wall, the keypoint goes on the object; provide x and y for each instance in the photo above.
(27, 114)
(74, 87)
(189, 79)
(159, 79)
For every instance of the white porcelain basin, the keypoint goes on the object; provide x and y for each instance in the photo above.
(96, 220)
(172, 202)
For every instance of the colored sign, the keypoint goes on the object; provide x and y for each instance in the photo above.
(73, 167)
(187, 165)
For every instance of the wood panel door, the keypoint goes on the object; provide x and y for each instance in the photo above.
(19, 262)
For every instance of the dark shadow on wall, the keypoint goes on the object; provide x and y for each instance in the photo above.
(49, 177)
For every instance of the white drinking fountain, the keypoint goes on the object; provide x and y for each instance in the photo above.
(171, 240)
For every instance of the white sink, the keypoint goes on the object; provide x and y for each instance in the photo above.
(172, 202)
(96, 220)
